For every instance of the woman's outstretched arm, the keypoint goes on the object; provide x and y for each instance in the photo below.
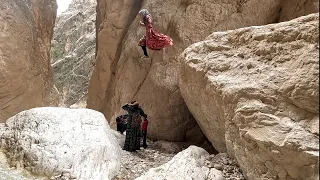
(142, 24)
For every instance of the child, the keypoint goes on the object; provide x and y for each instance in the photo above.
(121, 123)
(144, 131)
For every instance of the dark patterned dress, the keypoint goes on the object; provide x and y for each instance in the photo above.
(153, 39)
(133, 131)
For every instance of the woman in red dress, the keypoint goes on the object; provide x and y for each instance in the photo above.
(153, 39)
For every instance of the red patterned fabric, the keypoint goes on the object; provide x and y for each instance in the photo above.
(153, 39)
(144, 125)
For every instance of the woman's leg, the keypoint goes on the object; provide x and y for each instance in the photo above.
(118, 127)
(144, 48)
(144, 133)
(143, 44)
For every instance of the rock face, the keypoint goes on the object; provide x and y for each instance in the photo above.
(227, 165)
(121, 76)
(9, 173)
(255, 94)
(26, 29)
(168, 147)
(73, 49)
(120, 137)
(62, 142)
(186, 165)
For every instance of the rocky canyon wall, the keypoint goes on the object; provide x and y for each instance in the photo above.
(121, 76)
(73, 51)
(255, 93)
(26, 28)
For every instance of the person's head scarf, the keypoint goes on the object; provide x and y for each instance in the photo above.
(134, 104)
(144, 14)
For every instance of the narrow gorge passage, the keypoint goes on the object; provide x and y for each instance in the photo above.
(73, 54)
(73, 48)
(73, 51)
(235, 98)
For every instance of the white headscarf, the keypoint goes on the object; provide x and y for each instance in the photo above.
(144, 13)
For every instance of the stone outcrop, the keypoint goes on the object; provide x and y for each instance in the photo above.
(7, 172)
(227, 165)
(169, 147)
(60, 142)
(73, 51)
(255, 94)
(121, 76)
(186, 165)
(26, 29)
(120, 137)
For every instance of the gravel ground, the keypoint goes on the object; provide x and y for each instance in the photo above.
(134, 164)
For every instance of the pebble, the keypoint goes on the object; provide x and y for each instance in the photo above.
(218, 166)
(229, 168)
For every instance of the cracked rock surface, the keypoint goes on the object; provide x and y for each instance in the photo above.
(62, 143)
(73, 50)
(120, 75)
(26, 28)
(255, 92)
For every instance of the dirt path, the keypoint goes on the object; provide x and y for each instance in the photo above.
(134, 164)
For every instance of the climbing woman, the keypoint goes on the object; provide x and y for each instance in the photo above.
(153, 39)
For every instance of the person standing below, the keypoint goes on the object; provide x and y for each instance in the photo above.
(144, 131)
(121, 123)
(153, 39)
(133, 131)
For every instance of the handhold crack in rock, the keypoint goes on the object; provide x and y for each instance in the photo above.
(140, 85)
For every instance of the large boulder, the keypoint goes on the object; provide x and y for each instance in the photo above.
(54, 142)
(255, 94)
(26, 28)
(120, 76)
(186, 165)
(73, 49)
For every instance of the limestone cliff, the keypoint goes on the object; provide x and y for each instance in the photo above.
(73, 50)
(26, 29)
(255, 93)
(121, 76)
